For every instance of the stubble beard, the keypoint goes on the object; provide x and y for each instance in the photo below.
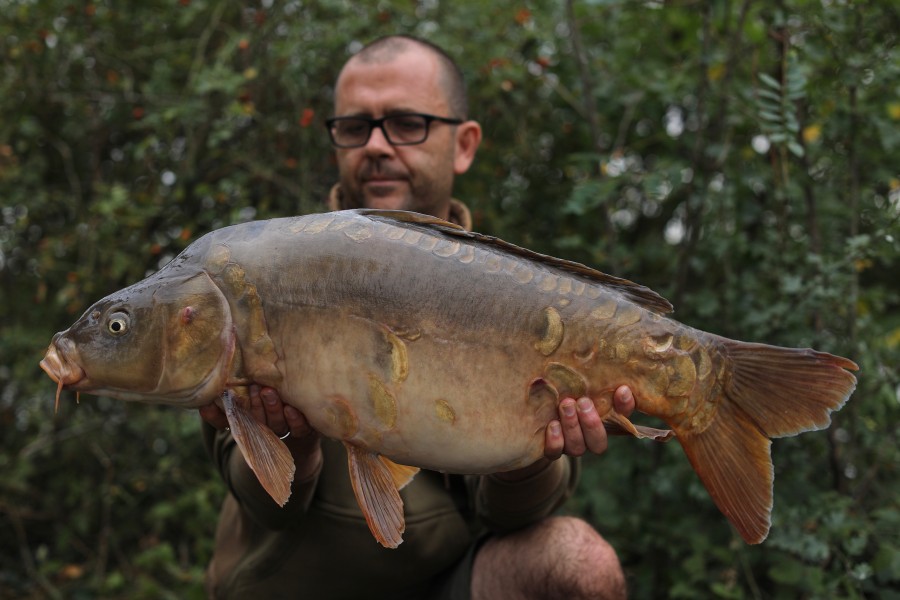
(417, 197)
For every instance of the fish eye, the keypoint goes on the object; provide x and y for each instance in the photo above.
(118, 323)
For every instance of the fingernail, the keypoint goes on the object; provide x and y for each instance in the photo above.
(555, 428)
(269, 398)
(568, 409)
(585, 405)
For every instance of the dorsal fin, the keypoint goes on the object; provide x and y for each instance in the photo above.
(407, 216)
(639, 294)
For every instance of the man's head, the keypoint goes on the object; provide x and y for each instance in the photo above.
(400, 75)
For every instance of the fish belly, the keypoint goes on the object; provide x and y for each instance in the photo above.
(418, 398)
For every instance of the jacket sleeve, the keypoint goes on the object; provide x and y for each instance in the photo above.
(506, 506)
(245, 487)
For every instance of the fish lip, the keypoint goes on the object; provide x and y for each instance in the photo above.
(60, 366)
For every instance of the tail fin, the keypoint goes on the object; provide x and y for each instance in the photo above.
(768, 392)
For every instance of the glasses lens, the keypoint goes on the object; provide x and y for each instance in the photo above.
(406, 129)
(350, 132)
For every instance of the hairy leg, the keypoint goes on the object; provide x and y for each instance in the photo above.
(559, 557)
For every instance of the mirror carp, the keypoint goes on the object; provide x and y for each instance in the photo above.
(421, 345)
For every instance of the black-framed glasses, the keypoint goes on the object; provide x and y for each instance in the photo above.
(399, 130)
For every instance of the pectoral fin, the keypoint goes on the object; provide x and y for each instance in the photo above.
(617, 424)
(266, 455)
(376, 485)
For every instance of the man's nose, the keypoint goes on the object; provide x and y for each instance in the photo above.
(378, 143)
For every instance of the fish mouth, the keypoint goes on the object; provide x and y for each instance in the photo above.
(61, 369)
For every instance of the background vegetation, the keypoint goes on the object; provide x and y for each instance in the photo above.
(739, 157)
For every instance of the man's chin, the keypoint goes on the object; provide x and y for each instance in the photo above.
(389, 201)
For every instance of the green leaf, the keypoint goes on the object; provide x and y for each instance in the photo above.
(795, 148)
(886, 563)
(770, 81)
(767, 94)
(771, 116)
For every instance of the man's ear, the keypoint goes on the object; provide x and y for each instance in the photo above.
(468, 137)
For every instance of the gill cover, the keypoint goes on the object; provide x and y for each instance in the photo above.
(198, 342)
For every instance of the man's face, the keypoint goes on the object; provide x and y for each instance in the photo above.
(380, 175)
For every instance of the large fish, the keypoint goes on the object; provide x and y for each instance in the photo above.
(418, 343)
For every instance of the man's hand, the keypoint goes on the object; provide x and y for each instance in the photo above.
(579, 428)
(267, 408)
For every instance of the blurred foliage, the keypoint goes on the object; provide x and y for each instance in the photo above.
(738, 157)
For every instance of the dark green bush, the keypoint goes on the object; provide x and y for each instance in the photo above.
(739, 158)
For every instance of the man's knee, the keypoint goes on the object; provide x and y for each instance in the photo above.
(578, 537)
(569, 529)
(591, 563)
(559, 557)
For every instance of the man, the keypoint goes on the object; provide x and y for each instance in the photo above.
(402, 135)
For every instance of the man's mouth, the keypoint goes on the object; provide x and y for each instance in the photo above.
(381, 186)
(377, 179)
(376, 172)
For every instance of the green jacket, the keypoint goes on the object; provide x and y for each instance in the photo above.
(319, 546)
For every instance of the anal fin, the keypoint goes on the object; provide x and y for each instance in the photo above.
(401, 474)
(617, 424)
(376, 490)
(266, 455)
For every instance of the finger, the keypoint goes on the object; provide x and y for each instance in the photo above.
(213, 415)
(623, 400)
(297, 422)
(591, 426)
(256, 406)
(274, 411)
(571, 428)
(553, 441)
(304, 440)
